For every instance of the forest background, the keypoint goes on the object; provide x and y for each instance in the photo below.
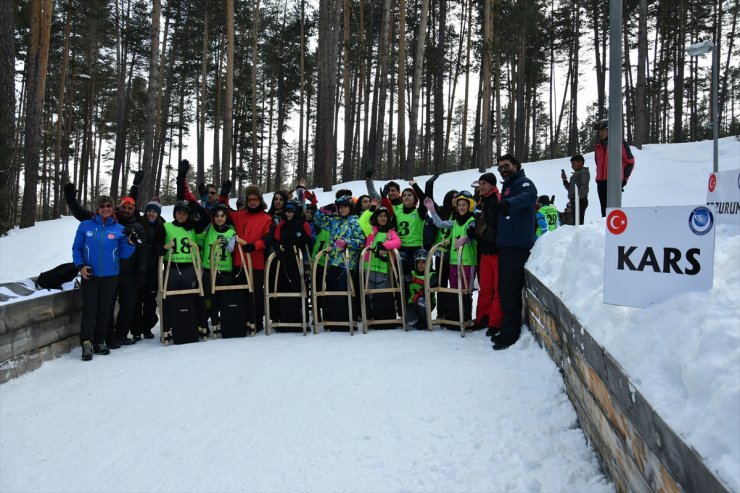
(263, 91)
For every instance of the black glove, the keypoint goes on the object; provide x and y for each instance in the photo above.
(70, 192)
(384, 192)
(223, 241)
(249, 248)
(624, 184)
(202, 190)
(380, 247)
(504, 207)
(369, 173)
(138, 178)
(281, 254)
(225, 188)
(182, 170)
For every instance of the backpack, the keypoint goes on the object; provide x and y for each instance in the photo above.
(54, 278)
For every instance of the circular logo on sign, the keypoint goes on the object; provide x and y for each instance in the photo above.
(712, 182)
(616, 222)
(701, 220)
(111, 236)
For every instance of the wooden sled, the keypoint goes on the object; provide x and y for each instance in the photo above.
(163, 276)
(395, 272)
(271, 292)
(316, 293)
(248, 286)
(464, 289)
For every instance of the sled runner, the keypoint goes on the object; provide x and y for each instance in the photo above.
(446, 297)
(332, 309)
(287, 308)
(384, 299)
(234, 315)
(181, 310)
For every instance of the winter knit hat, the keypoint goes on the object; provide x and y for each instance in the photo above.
(154, 205)
(488, 178)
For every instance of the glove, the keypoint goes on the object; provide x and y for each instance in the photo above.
(329, 209)
(183, 168)
(223, 241)
(340, 244)
(281, 254)
(380, 246)
(369, 173)
(202, 190)
(624, 184)
(70, 192)
(504, 207)
(384, 192)
(138, 178)
(462, 241)
(249, 248)
(429, 204)
(225, 188)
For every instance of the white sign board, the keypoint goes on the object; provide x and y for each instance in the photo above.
(723, 197)
(653, 253)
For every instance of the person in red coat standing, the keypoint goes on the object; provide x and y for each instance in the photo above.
(601, 155)
(254, 235)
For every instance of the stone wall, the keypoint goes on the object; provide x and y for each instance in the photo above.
(636, 448)
(37, 330)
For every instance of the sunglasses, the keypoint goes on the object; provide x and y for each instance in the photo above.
(211, 193)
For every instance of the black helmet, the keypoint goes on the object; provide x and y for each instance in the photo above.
(182, 205)
(420, 254)
(292, 205)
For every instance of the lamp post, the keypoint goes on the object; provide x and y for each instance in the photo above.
(698, 49)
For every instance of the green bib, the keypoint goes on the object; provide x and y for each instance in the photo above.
(222, 255)
(469, 251)
(322, 240)
(551, 216)
(180, 252)
(376, 263)
(410, 228)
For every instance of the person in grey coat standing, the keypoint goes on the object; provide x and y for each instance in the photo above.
(578, 180)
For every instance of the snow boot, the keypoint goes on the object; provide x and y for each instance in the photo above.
(100, 349)
(87, 351)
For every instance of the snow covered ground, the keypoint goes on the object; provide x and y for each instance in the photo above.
(387, 411)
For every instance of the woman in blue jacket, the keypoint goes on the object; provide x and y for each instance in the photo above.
(100, 243)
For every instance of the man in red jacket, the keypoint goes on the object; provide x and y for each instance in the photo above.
(254, 235)
(601, 156)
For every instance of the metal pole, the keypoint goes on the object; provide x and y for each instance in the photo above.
(614, 176)
(715, 105)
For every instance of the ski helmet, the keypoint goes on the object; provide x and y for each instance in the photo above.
(420, 254)
(182, 205)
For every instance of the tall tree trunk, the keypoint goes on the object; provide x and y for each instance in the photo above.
(347, 160)
(324, 157)
(37, 58)
(439, 96)
(7, 114)
(726, 71)
(148, 163)
(401, 144)
(678, 81)
(484, 156)
(216, 165)
(410, 168)
(201, 111)
(521, 71)
(60, 112)
(641, 87)
(597, 12)
(255, 139)
(229, 96)
(573, 127)
(301, 153)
